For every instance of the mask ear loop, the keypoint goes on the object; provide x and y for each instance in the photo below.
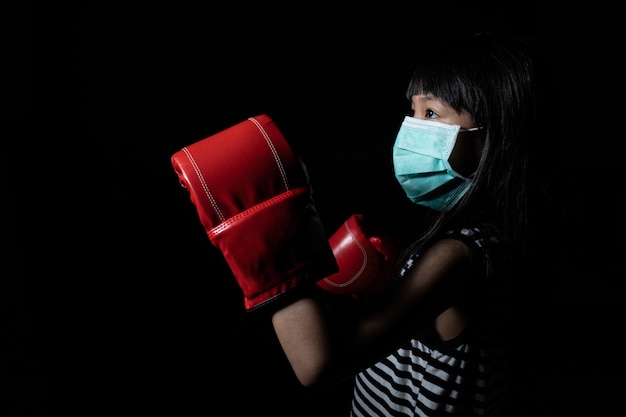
(473, 174)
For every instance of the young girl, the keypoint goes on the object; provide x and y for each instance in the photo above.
(443, 336)
(439, 340)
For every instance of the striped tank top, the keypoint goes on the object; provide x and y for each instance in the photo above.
(464, 376)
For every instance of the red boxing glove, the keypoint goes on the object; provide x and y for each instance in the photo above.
(365, 260)
(253, 197)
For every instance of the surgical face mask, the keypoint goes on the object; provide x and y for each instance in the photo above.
(420, 159)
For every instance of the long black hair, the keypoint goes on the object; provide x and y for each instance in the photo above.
(503, 82)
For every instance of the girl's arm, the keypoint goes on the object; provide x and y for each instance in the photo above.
(323, 348)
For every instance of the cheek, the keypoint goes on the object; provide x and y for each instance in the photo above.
(465, 155)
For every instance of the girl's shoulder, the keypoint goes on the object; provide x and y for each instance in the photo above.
(480, 244)
(490, 249)
(481, 235)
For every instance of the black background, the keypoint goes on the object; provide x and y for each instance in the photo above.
(114, 298)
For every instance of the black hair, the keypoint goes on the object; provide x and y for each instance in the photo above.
(501, 80)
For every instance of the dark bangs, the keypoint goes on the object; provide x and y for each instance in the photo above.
(463, 74)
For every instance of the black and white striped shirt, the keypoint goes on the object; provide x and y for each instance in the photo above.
(464, 376)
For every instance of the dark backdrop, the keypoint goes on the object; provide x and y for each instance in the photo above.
(115, 299)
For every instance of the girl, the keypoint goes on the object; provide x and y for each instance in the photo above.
(439, 340)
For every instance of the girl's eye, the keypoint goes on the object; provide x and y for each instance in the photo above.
(430, 114)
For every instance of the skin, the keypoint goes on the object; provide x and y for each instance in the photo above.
(432, 293)
(466, 153)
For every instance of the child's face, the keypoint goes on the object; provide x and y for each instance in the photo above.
(468, 147)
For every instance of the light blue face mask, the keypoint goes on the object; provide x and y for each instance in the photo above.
(420, 159)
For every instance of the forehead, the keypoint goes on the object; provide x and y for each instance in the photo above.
(428, 99)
